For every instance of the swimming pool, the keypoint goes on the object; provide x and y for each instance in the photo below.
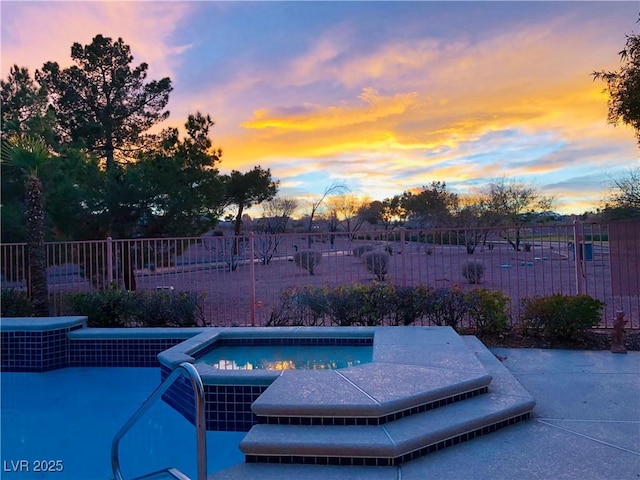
(69, 417)
(287, 357)
(61, 413)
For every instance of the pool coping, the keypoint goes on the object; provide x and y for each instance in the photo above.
(40, 324)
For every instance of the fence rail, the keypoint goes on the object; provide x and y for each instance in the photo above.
(242, 278)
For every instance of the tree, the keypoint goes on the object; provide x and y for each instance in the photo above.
(514, 203)
(25, 107)
(335, 188)
(102, 103)
(624, 200)
(475, 213)
(243, 190)
(176, 190)
(623, 86)
(276, 214)
(27, 154)
(389, 212)
(434, 206)
(347, 208)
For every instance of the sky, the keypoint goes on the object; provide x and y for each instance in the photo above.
(380, 96)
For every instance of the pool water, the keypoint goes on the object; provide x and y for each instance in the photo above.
(287, 357)
(70, 416)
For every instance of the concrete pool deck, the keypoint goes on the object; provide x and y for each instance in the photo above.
(586, 425)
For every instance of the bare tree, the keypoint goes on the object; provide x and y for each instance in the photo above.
(276, 214)
(335, 188)
(347, 209)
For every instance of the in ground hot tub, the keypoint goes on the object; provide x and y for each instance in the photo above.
(286, 357)
(234, 382)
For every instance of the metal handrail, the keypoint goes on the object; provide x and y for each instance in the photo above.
(190, 371)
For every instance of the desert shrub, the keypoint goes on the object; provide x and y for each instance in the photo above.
(307, 259)
(15, 303)
(359, 250)
(558, 316)
(472, 271)
(122, 308)
(488, 312)
(376, 263)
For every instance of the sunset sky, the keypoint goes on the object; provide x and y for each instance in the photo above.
(382, 96)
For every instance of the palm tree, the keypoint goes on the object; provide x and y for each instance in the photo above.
(27, 154)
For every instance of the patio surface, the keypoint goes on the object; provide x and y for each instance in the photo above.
(586, 425)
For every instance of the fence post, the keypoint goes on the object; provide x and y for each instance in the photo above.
(577, 245)
(403, 262)
(109, 261)
(252, 269)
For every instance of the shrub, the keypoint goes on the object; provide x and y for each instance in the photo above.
(307, 259)
(361, 249)
(446, 306)
(345, 304)
(376, 263)
(121, 308)
(15, 303)
(311, 306)
(488, 313)
(409, 304)
(558, 316)
(384, 304)
(473, 271)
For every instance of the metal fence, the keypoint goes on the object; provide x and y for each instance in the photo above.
(242, 278)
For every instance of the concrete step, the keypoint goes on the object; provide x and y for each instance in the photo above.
(389, 444)
(398, 440)
(409, 377)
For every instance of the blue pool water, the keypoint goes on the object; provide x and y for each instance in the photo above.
(286, 357)
(70, 416)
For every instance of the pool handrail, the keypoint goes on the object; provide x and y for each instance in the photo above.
(191, 372)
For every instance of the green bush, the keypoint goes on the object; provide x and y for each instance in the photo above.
(409, 305)
(480, 311)
(447, 306)
(15, 303)
(560, 317)
(307, 259)
(306, 306)
(376, 263)
(121, 308)
(345, 304)
(488, 314)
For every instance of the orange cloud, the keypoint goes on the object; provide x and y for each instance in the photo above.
(371, 107)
